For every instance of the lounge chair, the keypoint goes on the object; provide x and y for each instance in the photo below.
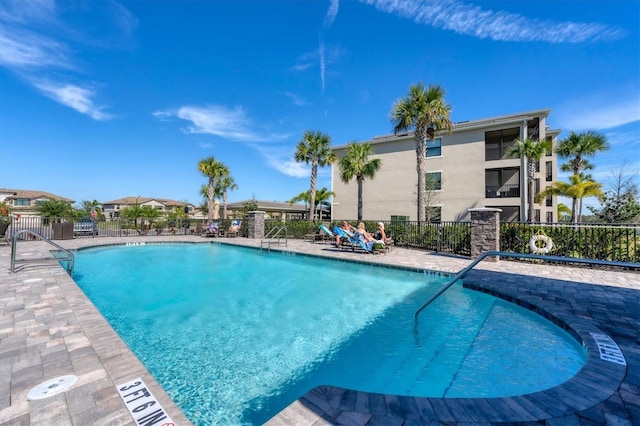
(211, 230)
(353, 241)
(326, 234)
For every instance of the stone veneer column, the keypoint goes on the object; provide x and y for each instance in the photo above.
(256, 224)
(485, 231)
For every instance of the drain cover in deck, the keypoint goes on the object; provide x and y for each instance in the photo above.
(52, 387)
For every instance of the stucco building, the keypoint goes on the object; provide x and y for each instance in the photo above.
(466, 168)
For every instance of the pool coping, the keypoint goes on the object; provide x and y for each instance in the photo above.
(331, 405)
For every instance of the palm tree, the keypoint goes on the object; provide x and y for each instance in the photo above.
(225, 184)
(563, 210)
(530, 150)
(54, 209)
(576, 189)
(575, 148)
(314, 148)
(427, 111)
(322, 196)
(212, 169)
(356, 163)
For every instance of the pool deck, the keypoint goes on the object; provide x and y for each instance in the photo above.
(48, 328)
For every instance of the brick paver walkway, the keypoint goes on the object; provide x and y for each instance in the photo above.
(48, 328)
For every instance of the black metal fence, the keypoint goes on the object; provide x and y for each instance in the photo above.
(585, 241)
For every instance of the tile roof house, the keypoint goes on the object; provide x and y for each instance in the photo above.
(111, 209)
(23, 202)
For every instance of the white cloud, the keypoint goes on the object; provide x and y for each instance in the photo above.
(598, 113)
(472, 20)
(232, 124)
(281, 158)
(75, 97)
(331, 13)
(296, 99)
(322, 63)
(37, 58)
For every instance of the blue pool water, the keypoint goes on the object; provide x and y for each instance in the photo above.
(234, 335)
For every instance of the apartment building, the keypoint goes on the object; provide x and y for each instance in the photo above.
(112, 208)
(466, 168)
(24, 202)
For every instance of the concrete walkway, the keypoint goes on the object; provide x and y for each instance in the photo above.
(48, 328)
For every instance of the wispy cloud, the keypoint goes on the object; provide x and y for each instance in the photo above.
(331, 13)
(75, 97)
(38, 59)
(281, 158)
(227, 123)
(323, 56)
(296, 99)
(469, 19)
(604, 111)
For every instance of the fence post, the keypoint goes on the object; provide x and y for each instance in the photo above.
(485, 231)
(256, 224)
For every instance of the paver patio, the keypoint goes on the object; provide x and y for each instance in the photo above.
(48, 328)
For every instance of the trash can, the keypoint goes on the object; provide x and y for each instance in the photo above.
(62, 231)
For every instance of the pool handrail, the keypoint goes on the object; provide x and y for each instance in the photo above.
(274, 236)
(551, 258)
(70, 258)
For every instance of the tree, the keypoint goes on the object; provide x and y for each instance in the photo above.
(426, 111)
(86, 207)
(531, 151)
(54, 209)
(314, 148)
(563, 212)
(225, 184)
(576, 189)
(212, 169)
(322, 197)
(575, 148)
(356, 163)
(620, 202)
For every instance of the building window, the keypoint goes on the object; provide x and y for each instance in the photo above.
(549, 201)
(433, 181)
(549, 217)
(433, 214)
(548, 171)
(537, 215)
(497, 143)
(537, 186)
(397, 218)
(509, 214)
(21, 202)
(549, 153)
(434, 147)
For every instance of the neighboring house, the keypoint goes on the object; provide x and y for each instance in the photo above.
(274, 209)
(112, 209)
(467, 168)
(23, 202)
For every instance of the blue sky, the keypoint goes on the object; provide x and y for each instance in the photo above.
(105, 99)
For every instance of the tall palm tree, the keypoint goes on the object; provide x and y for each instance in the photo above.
(56, 209)
(356, 163)
(314, 148)
(212, 169)
(224, 184)
(576, 189)
(575, 148)
(426, 111)
(531, 150)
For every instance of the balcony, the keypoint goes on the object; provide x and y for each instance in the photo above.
(503, 191)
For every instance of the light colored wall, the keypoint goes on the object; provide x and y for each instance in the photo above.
(462, 166)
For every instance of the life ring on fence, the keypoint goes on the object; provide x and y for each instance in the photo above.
(533, 244)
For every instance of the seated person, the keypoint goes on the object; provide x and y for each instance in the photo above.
(235, 226)
(211, 228)
(366, 235)
(346, 227)
(380, 235)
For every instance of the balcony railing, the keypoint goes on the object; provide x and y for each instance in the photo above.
(502, 191)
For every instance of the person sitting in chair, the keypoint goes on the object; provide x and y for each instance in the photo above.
(348, 228)
(235, 226)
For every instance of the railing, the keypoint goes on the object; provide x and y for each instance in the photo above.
(274, 236)
(68, 256)
(502, 191)
(619, 243)
(546, 258)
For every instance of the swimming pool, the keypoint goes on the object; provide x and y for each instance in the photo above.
(234, 334)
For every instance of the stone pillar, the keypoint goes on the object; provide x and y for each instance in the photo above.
(485, 231)
(255, 220)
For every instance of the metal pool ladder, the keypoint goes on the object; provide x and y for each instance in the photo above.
(274, 237)
(66, 254)
(560, 259)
